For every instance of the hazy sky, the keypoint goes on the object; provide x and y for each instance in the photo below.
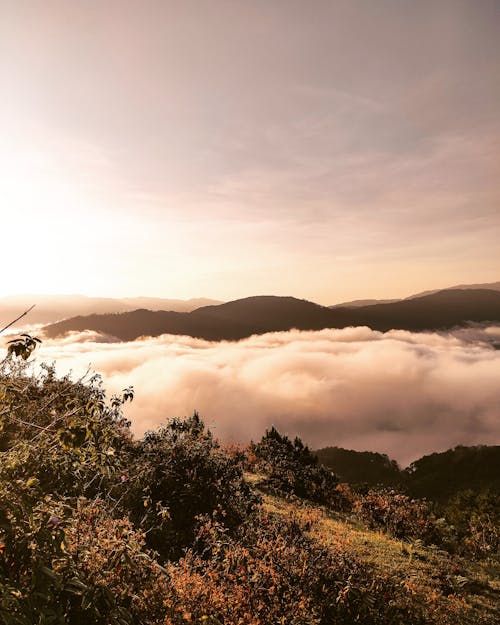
(324, 149)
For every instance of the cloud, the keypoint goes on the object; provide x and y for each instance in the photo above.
(400, 393)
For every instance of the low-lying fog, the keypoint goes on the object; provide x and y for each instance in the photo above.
(400, 393)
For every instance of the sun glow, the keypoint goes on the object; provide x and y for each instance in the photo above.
(39, 228)
(67, 228)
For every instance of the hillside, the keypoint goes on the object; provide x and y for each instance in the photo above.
(231, 321)
(257, 315)
(439, 476)
(441, 310)
(458, 590)
(490, 286)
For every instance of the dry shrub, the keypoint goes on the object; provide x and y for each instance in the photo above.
(398, 514)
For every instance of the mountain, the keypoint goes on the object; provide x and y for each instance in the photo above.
(441, 310)
(363, 302)
(267, 313)
(361, 467)
(52, 308)
(231, 321)
(258, 315)
(490, 286)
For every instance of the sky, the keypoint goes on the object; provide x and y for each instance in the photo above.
(330, 150)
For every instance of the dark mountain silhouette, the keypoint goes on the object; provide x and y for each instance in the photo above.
(438, 476)
(437, 311)
(267, 313)
(231, 321)
(52, 308)
(361, 467)
(257, 315)
(490, 286)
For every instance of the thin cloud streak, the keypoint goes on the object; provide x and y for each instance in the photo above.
(400, 393)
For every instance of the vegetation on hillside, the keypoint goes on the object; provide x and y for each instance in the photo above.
(98, 528)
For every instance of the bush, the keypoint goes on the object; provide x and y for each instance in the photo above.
(60, 434)
(467, 525)
(61, 563)
(177, 473)
(399, 515)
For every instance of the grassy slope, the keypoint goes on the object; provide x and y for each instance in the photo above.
(468, 590)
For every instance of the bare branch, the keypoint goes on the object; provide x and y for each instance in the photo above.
(17, 319)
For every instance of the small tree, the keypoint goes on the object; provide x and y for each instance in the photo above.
(294, 469)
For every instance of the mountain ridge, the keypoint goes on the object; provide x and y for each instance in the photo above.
(260, 314)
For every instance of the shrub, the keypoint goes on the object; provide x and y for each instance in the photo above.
(61, 563)
(61, 434)
(179, 472)
(467, 525)
(122, 580)
(399, 515)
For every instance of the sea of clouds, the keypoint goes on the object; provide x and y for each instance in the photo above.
(401, 393)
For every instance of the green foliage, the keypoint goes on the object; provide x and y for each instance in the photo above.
(83, 442)
(66, 562)
(292, 468)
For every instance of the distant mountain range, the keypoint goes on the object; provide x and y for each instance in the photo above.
(52, 308)
(491, 286)
(258, 315)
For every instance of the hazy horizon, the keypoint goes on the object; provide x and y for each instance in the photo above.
(243, 295)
